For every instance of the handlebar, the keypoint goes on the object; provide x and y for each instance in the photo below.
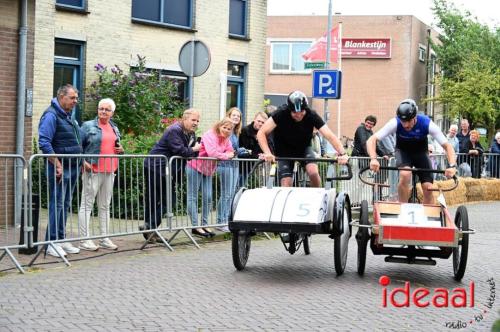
(330, 172)
(413, 170)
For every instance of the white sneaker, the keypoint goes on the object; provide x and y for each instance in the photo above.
(107, 244)
(69, 248)
(88, 245)
(57, 252)
(223, 229)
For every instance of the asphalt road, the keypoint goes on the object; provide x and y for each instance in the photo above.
(200, 290)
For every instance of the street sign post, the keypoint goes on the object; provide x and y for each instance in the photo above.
(327, 84)
(314, 65)
(194, 60)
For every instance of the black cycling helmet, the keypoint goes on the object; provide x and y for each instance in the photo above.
(407, 110)
(297, 101)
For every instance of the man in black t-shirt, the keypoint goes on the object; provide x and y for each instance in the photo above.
(292, 127)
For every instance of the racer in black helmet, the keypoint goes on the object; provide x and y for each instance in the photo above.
(407, 110)
(292, 126)
(297, 101)
(411, 131)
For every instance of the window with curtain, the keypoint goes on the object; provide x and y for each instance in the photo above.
(287, 56)
(175, 13)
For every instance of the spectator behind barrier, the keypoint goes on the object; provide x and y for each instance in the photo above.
(59, 133)
(452, 138)
(475, 154)
(248, 140)
(215, 143)
(99, 136)
(463, 139)
(178, 140)
(228, 171)
(248, 135)
(494, 159)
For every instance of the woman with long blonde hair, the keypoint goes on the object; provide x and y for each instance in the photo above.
(228, 171)
(215, 143)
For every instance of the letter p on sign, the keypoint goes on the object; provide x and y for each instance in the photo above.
(327, 84)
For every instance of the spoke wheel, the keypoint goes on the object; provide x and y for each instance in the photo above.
(241, 249)
(362, 237)
(341, 243)
(461, 251)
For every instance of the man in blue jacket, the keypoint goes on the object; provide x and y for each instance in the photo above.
(59, 133)
(178, 140)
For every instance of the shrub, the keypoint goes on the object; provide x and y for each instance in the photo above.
(143, 97)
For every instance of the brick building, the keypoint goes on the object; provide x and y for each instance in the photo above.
(16, 74)
(370, 85)
(72, 36)
(10, 27)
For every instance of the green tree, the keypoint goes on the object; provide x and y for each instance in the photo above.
(144, 99)
(467, 53)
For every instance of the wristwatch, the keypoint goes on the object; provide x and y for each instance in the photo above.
(452, 166)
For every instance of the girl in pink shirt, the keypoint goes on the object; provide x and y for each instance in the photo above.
(215, 143)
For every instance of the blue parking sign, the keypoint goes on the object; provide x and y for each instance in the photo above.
(327, 84)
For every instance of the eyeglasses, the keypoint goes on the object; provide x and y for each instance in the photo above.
(105, 109)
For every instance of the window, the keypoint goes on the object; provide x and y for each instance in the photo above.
(286, 57)
(179, 79)
(181, 82)
(71, 4)
(238, 18)
(236, 86)
(173, 13)
(68, 67)
(421, 52)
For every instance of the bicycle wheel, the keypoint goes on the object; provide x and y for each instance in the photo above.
(241, 249)
(307, 243)
(461, 251)
(362, 237)
(341, 242)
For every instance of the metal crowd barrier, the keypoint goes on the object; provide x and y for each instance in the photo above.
(485, 166)
(163, 196)
(12, 216)
(125, 194)
(250, 173)
(204, 200)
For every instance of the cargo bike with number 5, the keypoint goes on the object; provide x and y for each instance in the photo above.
(413, 233)
(294, 213)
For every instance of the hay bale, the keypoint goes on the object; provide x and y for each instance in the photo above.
(468, 190)
(475, 192)
(491, 189)
(456, 196)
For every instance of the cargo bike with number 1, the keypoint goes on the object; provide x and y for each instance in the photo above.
(413, 233)
(295, 213)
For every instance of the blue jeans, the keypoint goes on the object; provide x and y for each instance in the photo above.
(228, 176)
(60, 194)
(194, 180)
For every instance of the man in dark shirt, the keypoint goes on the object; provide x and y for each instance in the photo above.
(463, 137)
(248, 135)
(292, 127)
(362, 134)
(178, 140)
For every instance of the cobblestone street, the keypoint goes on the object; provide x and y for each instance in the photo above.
(200, 290)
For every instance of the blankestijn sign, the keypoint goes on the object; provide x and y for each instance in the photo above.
(366, 48)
